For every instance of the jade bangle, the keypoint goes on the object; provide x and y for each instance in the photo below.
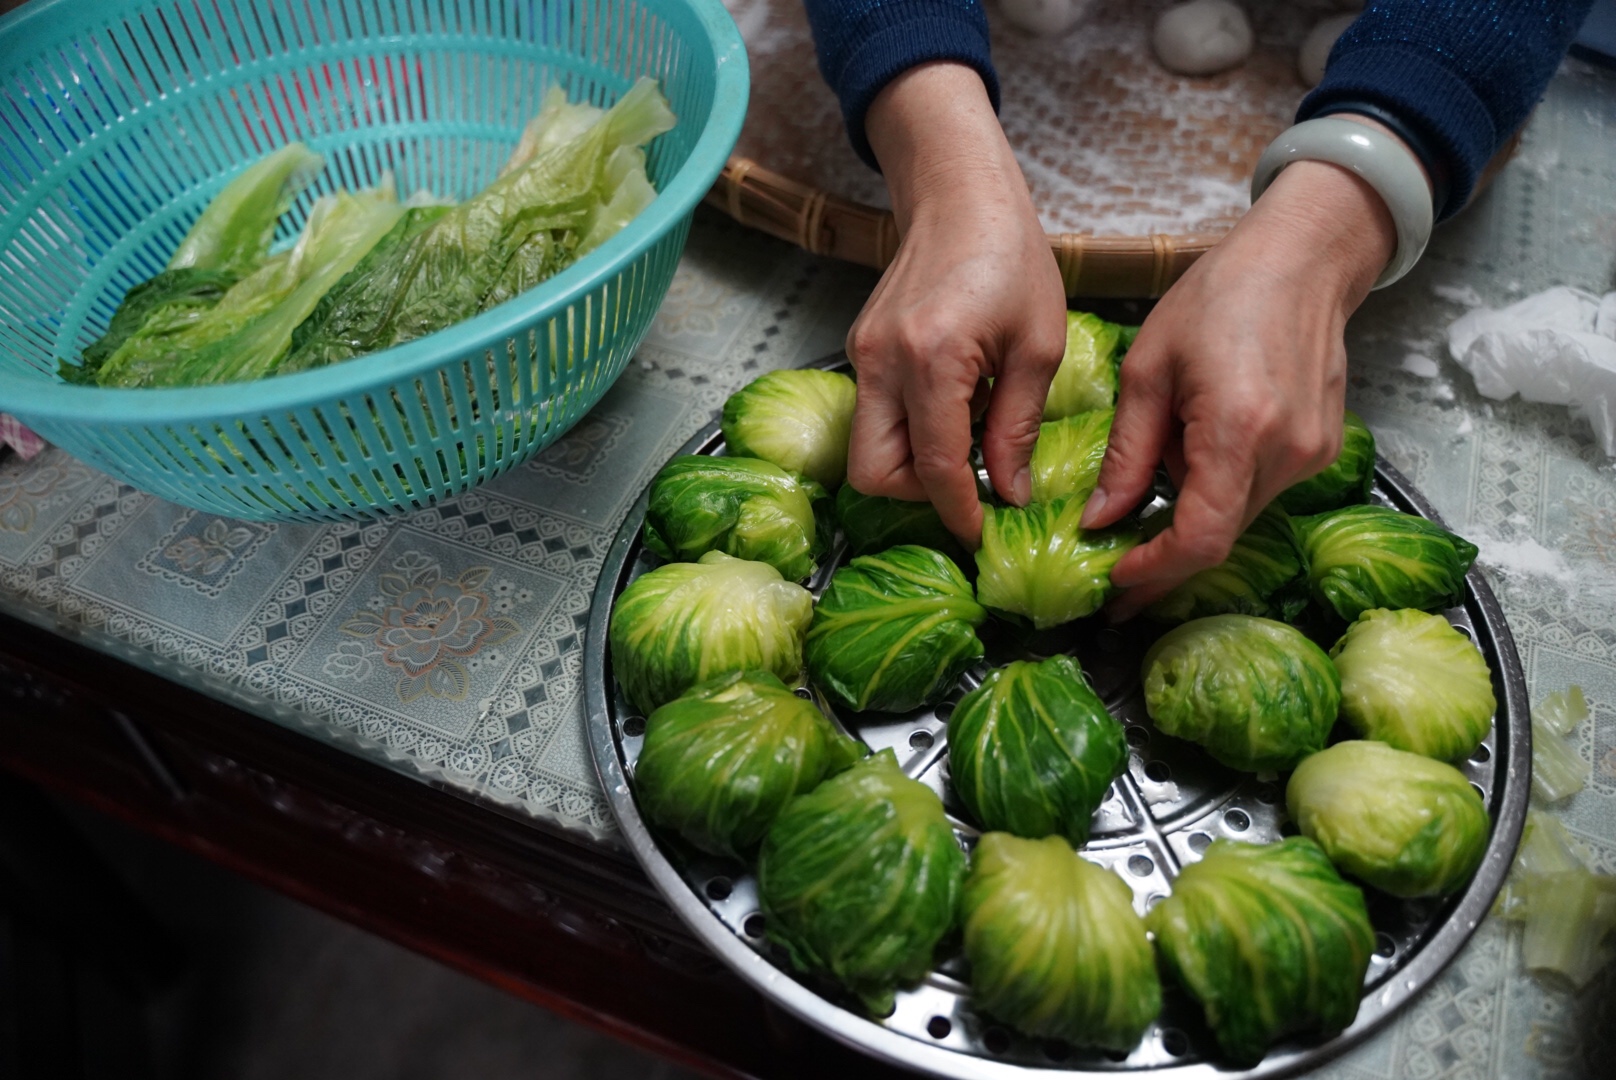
(1385, 165)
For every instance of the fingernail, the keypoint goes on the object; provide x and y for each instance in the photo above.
(1021, 487)
(1093, 509)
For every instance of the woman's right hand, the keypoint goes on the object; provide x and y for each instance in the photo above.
(973, 294)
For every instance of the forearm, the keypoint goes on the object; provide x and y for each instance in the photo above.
(937, 140)
(864, 45)
(1458, 77)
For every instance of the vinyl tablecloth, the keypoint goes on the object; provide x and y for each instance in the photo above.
(300, 623)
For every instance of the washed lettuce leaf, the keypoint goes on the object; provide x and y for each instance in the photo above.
(1067, 456)
(685, 623)
(798, 418)
(1256, 693)
(893, 631)
(1033, 751)
(249, 330)
(1038, 562)
(558, 121)
(1264, 575)
(1410, 680)
(234, 232)
(860, 879)
(160, 307)
(1348, 478)
(227, 242)
(520, 230)
(738, 505)
(1087, 376)
(1270, 941)
(1406, 824)
(720, 761)
(874, 523)
(1055, 947)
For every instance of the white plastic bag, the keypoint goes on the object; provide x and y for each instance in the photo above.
(1557, 347)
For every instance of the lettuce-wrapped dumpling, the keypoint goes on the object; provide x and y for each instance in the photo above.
(799, 419)
(875, 523)
(893, 631)
(1268, 939)
(721, 760)
(860, 879)
(1256, 693)
(741, 506)
(1032, 751)
(1055, 947)
(1368, 557)
(685, 623)
(1410, 680)
(1087, 376)
(1347, 480)
(1038, 561)
(1263, 575)
(1401, 822)
(1067, 457)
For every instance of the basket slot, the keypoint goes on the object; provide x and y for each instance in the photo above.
(426, 447)
(358, 484)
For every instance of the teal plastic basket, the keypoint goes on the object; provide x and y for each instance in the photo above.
(120, 119)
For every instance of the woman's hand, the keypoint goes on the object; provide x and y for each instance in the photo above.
(973, 294)
(1237, 380)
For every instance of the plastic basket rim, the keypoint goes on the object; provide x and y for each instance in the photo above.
(51, 399)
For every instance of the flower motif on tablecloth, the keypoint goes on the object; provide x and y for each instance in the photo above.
(351, 660)
(25, 490)
(207, 554)
(432, 629)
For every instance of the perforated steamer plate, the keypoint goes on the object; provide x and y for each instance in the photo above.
(1171, 803)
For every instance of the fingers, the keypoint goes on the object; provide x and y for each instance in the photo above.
(878, 459)
(1213, 509)
(1139, 434)
(940, 441)
(1014, 413)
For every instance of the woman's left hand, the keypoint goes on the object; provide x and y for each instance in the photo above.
(1237, 380)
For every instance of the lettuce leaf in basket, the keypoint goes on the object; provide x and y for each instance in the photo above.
(574, 188)
(166, 304)
(227, 242)
(247, 332)
(234, 232)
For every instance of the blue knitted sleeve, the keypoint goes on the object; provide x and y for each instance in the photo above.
(1456, 77)
(865, 44)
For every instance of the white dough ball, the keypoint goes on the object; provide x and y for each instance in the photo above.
(1044, 17)
(1317, 45)
(1202, 37)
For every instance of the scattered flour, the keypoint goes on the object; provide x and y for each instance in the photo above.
(1458, 294)
(1443, 391)
(1526, 558)
(1465, 426)
(1423, 366)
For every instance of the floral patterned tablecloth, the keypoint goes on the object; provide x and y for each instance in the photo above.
(447, 643)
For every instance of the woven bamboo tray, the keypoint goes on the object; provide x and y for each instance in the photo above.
(1137, 172)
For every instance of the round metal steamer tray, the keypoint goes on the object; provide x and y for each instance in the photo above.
(1169, 805)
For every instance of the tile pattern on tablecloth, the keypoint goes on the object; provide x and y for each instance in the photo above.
(78, 548)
